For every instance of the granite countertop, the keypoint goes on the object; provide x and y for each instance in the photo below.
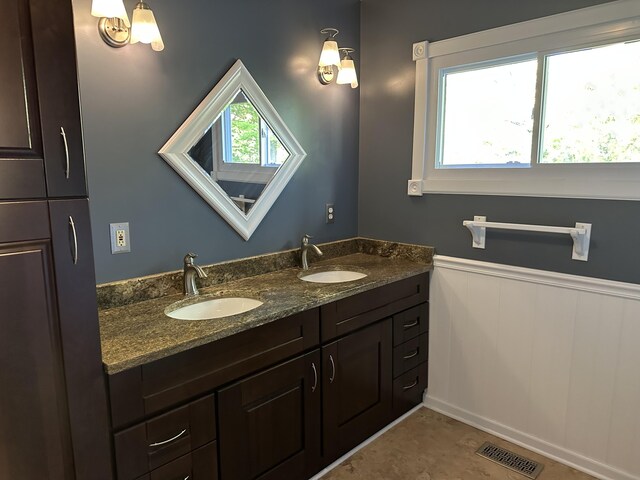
(139, 333)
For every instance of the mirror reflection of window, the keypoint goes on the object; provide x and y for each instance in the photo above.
(240, 152)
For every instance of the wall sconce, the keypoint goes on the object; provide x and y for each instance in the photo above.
(330, 58)
(116, 30)
(347, 73)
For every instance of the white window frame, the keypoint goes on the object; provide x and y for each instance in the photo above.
(602, 24)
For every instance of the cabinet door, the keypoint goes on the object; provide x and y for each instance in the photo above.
(269, 423)
(57, 81)
(357, 388)
(34, 437)
(77, 306)
(21, 164)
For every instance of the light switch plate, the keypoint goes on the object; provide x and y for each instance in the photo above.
(120, 239)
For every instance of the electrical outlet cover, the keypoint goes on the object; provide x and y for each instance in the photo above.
(120, 239)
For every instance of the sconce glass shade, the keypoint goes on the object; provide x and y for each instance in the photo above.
(110, 9)
(330, 54)
(144, 28)
(347, 73)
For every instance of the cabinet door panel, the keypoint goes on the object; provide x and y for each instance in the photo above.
(78, 312)
(357, 388)
(21, 167)
(55, 59)
(34, 439)
(270, 423)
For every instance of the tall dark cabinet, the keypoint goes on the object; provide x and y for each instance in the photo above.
(53, 409)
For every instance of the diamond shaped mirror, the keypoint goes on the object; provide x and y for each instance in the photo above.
(235, 151)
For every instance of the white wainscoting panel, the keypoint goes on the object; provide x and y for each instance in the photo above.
(550, 361)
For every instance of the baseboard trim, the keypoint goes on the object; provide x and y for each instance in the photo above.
(555, 452)
(366, 442)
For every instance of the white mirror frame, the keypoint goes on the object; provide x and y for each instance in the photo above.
(176, 151)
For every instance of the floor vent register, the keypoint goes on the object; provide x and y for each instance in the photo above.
(510, 460)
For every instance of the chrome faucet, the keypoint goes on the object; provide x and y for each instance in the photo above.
(191, 270)
(304, 247)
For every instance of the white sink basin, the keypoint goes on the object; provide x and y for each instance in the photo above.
(333, 276)
(214, 308)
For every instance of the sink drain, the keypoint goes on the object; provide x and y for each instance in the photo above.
(510, 460)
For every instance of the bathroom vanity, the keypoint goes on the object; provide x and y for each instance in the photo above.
(280, 392)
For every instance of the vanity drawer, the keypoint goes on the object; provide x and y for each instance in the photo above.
(154, 443)
(201, 464)
(162, 384)
(352, 313)
(410, 354)
(408, 389)
(410, 323)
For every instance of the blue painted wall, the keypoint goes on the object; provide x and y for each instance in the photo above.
(386, 130)
(133, 99)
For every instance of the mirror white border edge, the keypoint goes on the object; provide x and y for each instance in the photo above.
(175, 151)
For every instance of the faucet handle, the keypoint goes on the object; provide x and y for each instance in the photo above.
(305, 238)
(188, 258)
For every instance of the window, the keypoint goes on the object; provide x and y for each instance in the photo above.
(591, 109)
(486, 116)
(248, 138)
(549, 107)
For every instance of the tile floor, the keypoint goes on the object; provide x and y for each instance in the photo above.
(431, 446)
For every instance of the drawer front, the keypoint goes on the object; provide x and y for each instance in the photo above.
(162, 384)
(201, 464)
(408, 389)
(162, 439)
(355, 312)
(410, 323)
(410, 354)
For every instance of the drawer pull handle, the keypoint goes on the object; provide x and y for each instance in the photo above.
(409, 387)
(333, 369)
(315, 377)
(411, 325)
(75, 240)
(411, 355)
(66, 152)
(157, 444)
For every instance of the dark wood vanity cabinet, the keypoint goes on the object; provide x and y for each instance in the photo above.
(39, 103)
(290, 396)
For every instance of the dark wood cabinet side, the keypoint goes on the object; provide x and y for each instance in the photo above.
(77, 306)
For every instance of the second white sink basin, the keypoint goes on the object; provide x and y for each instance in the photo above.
(214, 308)
(333, 276)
